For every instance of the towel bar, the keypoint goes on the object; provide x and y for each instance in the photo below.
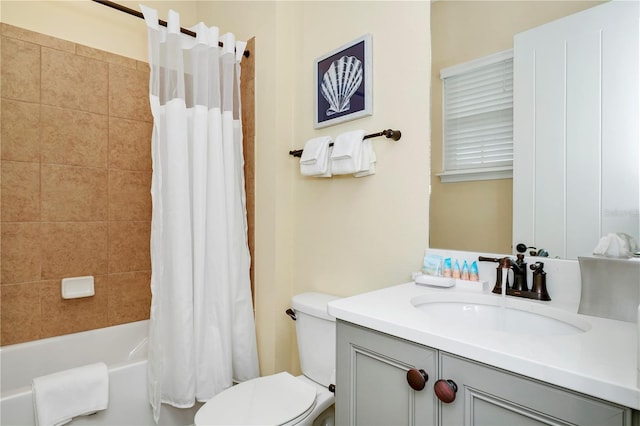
(391, 134)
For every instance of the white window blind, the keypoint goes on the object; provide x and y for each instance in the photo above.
(478, 119)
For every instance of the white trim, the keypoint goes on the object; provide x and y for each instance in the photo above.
(476, 63)
(489, 173)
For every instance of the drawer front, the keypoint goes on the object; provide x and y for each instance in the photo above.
(489, 396)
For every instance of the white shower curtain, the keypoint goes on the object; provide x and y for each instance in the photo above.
(202, 334)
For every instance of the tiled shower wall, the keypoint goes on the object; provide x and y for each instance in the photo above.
(75, 188)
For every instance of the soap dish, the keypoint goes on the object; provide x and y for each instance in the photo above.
(434, 281)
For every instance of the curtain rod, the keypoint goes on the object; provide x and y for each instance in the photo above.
(391, 134)
(133, 12)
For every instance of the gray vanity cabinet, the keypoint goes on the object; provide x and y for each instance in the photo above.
(490, 396)
(371, 379)
(372, 389)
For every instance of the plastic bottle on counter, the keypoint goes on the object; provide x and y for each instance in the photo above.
(465, 271)
(456, 270)
(446, 270)
(473, 272)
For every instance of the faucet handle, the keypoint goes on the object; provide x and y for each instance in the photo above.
(488, 259)
(503, 262)
(537, 268)
(539, 286)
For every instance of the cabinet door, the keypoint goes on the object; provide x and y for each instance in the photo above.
(371, 385)
(488, 396)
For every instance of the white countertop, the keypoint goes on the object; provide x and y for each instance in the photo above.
(601, 362)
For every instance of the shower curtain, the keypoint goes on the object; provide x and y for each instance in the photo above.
(202, 334)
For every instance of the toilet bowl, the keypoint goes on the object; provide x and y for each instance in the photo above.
(282, 399)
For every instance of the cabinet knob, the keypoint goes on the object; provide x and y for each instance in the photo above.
(417, 379)
(445, 390)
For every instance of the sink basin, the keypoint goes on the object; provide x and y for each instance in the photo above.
(491, 312)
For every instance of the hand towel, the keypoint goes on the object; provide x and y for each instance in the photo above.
(59, 397)
(314, 160)
(616, 245)
(347, 152)
(368, 160)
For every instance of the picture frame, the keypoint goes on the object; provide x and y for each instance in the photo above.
(343, 83)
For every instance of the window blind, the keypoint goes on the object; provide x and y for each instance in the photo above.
(478, 115)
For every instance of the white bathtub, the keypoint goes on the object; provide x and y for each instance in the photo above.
(123, 348)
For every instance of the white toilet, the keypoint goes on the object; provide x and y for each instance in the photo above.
(282, 399)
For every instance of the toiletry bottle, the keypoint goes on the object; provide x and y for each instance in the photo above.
(456, 270)
(473, 273)
(465, 271)
(446, 270)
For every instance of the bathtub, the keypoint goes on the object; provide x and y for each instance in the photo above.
(123, 348)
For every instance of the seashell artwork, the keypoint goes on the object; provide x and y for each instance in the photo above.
(340, 83)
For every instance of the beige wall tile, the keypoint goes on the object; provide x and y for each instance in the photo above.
(104, 56)
(130, 144)
(55, 183)
(20, 70)
(129, 195)
(74, 137)
(21, 258)
(37, 38)
(62, 316)
(20, 318)
(73, 193)
(129, 297)
(20, 191)
(129, 246)
(20, 131)
(143, 66)
(74, 249)
(74, 82)
(129, 93)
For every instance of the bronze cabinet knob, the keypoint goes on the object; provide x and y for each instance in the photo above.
(417, 379)
(445, 390)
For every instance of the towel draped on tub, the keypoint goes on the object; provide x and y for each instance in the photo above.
(61, 396)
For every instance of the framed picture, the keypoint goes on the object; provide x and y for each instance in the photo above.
(343, 83)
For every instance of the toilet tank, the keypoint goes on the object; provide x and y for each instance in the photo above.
(316, 334)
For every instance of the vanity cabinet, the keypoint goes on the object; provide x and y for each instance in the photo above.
(490, 396)
(372, 389)
(371, 379)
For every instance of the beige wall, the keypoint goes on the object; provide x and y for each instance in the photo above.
(92, 24)
(341, 235)
(462, 31)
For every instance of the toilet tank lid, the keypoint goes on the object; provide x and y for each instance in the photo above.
(313, 303)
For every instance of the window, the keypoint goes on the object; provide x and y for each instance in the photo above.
(478, 119)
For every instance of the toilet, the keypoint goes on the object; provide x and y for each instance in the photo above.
(283, 399)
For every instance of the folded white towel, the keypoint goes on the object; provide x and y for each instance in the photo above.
(368, 160)
(327, 173)
(347, 152)
(59, 397)
(314, 160)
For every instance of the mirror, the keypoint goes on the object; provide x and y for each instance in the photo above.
(477, 216)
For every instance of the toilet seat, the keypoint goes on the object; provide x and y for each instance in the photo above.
(279, 399)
